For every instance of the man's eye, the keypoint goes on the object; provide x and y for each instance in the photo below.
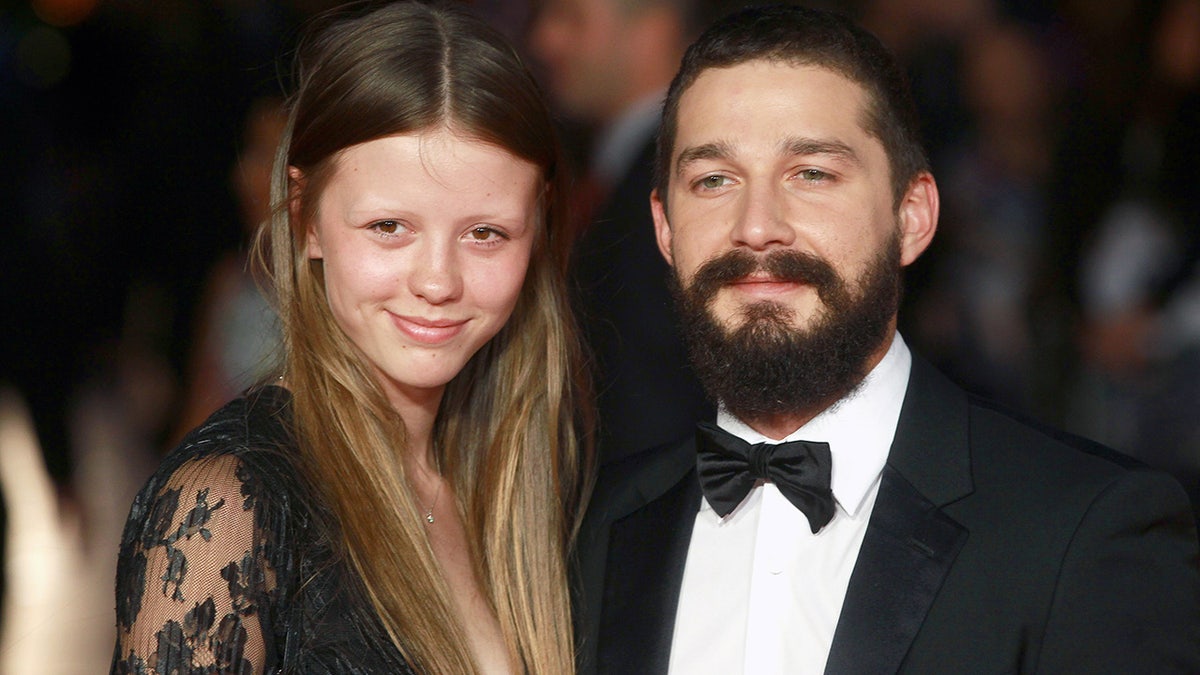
(711, 182)
(812, 174)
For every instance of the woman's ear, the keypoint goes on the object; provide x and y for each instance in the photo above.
(918, 217)
(296, 183)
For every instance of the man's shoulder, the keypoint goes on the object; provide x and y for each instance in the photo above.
(1057, 470)
(955, 443)
(632, 481)
(994, 431)
(1020, 437)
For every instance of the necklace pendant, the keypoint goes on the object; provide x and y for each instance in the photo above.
(429, 516)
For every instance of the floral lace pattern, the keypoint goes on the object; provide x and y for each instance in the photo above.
(226, 567)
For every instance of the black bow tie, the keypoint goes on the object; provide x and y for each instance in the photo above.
(729, 467)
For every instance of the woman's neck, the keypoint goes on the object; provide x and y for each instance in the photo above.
(418, 407)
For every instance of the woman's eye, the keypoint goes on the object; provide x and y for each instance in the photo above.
(386, 226)
(485, 234)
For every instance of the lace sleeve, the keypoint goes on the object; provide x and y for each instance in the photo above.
(192, 578)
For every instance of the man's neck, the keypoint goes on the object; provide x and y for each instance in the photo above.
(779, 427)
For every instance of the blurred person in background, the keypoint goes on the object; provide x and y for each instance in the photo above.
(1101, 55)
(111, 233)
(1139, 276)
(927, 37)
(402, 497)
(607, 65)
(971, 314)
(237, 331)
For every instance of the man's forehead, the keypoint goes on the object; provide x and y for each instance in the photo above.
(764, 74)
(762, 91)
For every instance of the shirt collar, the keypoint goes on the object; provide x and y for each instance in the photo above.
(858, 428)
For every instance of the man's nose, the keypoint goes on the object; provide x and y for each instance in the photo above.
(762, 222)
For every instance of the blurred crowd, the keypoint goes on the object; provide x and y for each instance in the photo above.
(1064, 280)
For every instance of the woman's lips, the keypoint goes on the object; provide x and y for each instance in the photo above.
(428, 331)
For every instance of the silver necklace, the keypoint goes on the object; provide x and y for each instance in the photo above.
(429, 512)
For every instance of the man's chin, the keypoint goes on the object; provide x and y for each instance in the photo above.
(766, 312)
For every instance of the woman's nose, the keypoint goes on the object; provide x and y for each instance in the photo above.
(436, 277)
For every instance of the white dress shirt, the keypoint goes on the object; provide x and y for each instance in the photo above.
(761, 593)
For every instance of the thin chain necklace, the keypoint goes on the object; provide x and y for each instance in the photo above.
(428, 515)
(436, 496)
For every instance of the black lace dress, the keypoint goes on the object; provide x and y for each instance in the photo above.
(226, 567)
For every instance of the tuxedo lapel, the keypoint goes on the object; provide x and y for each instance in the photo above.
(910, 544)
(646, 556)
(905, 555)
(629, 559)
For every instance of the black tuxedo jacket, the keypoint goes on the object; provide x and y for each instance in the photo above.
(646, 393)
(994, 547)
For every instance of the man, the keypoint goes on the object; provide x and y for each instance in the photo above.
(913, 528)
(608, 64)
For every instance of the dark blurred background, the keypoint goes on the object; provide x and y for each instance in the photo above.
(1065, 136)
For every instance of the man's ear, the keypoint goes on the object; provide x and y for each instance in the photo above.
(662, 229)
(918, 216)
(296, 183)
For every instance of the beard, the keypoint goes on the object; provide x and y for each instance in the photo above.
(764, 366)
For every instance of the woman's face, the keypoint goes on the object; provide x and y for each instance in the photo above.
(425, 240)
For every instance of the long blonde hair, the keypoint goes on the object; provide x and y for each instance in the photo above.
(506, 432)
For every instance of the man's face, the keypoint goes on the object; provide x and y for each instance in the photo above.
(782, 227)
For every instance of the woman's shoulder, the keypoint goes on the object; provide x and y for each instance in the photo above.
(243, 453)
(260, 419)
(253, 432)
(209, 545)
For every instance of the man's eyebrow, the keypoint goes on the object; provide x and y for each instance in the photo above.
(800, 146)
(795, 146)
(696, 153)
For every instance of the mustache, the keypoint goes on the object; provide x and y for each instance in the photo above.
(784, 265)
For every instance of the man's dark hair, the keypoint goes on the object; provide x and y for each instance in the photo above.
(795, 35)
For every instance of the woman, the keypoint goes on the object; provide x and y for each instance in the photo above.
(395, 502)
